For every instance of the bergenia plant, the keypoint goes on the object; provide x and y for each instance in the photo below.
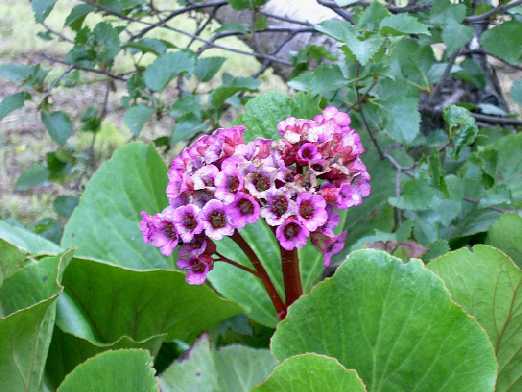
(297, 185)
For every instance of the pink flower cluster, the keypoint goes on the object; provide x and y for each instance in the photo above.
(296, 184)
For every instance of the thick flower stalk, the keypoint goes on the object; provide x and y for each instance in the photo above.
(297, 185)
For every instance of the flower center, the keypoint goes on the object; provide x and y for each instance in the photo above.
(307, 153)
(261, 182)
(246, 207)
(306, 209)
(197, 266)
(217, 219)
(232, 183)
(170, 231)
(190, 221)
(291, 230)
(279, 206)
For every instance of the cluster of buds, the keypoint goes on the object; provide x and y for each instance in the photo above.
(296, 184)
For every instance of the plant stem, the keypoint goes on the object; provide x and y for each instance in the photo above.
(291, 275)
(262, 275)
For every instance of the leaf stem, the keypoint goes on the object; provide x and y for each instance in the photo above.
(291, 275)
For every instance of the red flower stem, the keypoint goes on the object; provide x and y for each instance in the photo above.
(262, 275)
(291, 275)
(235, 264)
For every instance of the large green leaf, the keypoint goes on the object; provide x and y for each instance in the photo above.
(129, 308)
(119, 370)
(105, 224)
(27, 303)
(27, 240)
(232, 368)
(402, 118)
(488, 285)
(309, 373)
(506, 234)
(12, 259)
(394, 323)
(403, 24)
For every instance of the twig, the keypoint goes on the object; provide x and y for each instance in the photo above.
(445, 75)
(496, 120)
(497, 10)
(338, 10)
(484, 52)
(285, 19)
(235, 264)
(86, 69)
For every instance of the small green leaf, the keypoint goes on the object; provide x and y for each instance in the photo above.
(207, 67)
(35, 176)
(323, 80)
(119, 370)
(64, 205)
(416, 195)
(136, 116)
(230, 86)
(167, 66)
(394, 323)
(41, 9)
(462, 129)
(311, 372)
(487, 284)
(58, 125)
(403, 24)
(455, 36)
(402, 118)
(77, 16)
(107, 43)
(186, 128)
(504, 40)
(15, 72)
(231, 368)
(516, 91)
(239, 5)
(12, 103)
(506, 234)
(373, 15)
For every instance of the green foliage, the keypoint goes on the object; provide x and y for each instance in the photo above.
(390, 321)
(506, 235)
(126, 370)
(311, 372)
(12, 102)
(505, 41)
(486, 283)
(58, 125)
(167, 66)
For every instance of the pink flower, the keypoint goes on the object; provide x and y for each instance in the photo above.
(228, 182)
(311, 210)
(279, 207)
(187, 222)
(159, 230)
(194, 248)
(215, 220)
(259, 182)
(292, 234)
(329, 245)
(243, 210)
(197, 268)
(308, 152)
(204, 177)
(348, 196)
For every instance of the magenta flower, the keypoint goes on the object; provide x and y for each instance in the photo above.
(204, 177)
(329, 245)
(259, 182)
(292, 234)
(348, 196)
(197, 268)
(311, 210)
(228, 183)
(215, 220)
(187, 222)
(308, 152)
(194, 248)
(159, 230)
(243, 210)
(279, 207)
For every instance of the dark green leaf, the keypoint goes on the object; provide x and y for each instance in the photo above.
(207, 67)
(455, 36)
(185, 105)
(168, 65)
(64, 205)
(504, 40)
(186, 128)
(35, 176)
(402, 118)
(324, 80)
(136, 116)
(41, 9)
(107, 42)
(123, 370)
(402, 24)
(462, 129)
(416, 194)
(58, 125)
(239, 5)
(373, 15)
(394, 323)
(12, 103)
(77, 16)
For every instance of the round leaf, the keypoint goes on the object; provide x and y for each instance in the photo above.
(312, 372)
(488, 285)
(394, 323)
